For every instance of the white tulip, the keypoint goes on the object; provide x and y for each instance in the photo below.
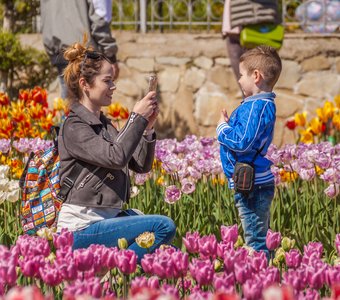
(2, 197)
(4, 171)
(13, 196)
(4, 184)
(13, 185)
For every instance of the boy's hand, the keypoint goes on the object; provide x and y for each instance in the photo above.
(224, 116)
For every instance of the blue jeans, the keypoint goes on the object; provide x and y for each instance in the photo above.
(108, 231)
(254, 212)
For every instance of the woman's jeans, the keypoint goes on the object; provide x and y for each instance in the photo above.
(107, 232)
(254, 212)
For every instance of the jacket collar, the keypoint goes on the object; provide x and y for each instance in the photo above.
(263, 96)
(82, 112)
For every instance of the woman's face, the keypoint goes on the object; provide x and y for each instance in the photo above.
(101, 90)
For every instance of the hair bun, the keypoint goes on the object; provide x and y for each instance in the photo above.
(74, 52)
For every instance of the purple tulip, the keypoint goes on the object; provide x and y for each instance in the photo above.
(269, 276)
(188, 186)
(180, 262)
(64, 239)
(332, 190)
(126, 261)
(202, 271)
(229, 233)
(259, 261)
(172, 194)
(273, 239)
(223, 248)
(207, 246)
(50, 275)
(67, 268)
(313, 248)
(111, 258)
(191, 242)
(293, 258)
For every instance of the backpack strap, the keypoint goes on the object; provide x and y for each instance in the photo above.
(69, 181)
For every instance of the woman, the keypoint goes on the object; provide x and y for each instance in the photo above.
(103, 155)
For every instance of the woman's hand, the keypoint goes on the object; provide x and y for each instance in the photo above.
(153, 117)
(146, 106)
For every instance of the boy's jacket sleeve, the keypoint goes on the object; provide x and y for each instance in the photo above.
(241, 132)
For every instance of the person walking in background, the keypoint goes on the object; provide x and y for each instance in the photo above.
(66, 21)
(238, 13)
(245, 137)
(92, 209)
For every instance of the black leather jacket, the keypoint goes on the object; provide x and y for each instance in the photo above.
(105, 155)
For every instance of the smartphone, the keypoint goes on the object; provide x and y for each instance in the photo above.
(153, 83)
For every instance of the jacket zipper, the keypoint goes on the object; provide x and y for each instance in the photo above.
(101, 182)
(132, 118)
(87, 178)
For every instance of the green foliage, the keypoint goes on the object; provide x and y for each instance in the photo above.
(23, 67)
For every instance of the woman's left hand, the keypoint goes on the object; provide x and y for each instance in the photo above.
(153, 117)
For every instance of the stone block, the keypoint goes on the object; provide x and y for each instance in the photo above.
(128, 87)
(168, 80)
(224, 77)
(316, 63)
(203, 62)
(194, 78)
(222, 61)
(290, 74)
(171, 60)
(141, 64)
(288, 103)
(319, 84)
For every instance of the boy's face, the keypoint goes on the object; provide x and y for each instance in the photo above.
(246, 81)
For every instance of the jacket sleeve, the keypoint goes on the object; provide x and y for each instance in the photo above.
(84, 144)
(242, 134)
(142, 158)
(100, 15)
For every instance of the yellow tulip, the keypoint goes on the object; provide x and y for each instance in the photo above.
(59, 104)
(316, 126)
(326, 112)
(122, 243)
(146, 239)
(300, 119)
(306, 136)
(336, 121)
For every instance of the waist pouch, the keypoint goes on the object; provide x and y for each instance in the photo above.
(262, 34)
(244, 177)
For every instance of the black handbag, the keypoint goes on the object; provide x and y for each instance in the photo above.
(244, 174)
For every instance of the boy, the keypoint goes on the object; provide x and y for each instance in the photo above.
(245, 137)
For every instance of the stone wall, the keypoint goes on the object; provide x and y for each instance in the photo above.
(196, 80)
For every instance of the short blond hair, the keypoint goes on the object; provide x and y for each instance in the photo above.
(266, 60)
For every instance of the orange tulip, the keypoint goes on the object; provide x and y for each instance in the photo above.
(4, 100)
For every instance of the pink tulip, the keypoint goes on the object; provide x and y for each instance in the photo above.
(180, 262)
(293, 258)
(147, 263)
(229, 233)
(162, 265)
(333, 275)
(252, 289)
(337, 243)
(111, 258)
(198, 294)
(223, 281)
(30, 266)
(312, 248)
(202, 271)
(153, 282)
(273, 239)
(139, 282)
(207, 246)
(126, 261)
(258, 261)
(223, 248)
(191, 242)
(332, 190)
(170, 290)
(50, 275)
(64, 239)
(270, 276)
(296, 278)
(83, 259)
(242, 272)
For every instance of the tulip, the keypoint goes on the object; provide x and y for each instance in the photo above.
(273, 239)
(287, 243)
(139, 282)
(293, 258)
(207, 246)
(172, 194)
(153, 282)
(83, 259)
(145, 240)
(202, 271)
(223, 281)
(126, 261)
(180, 262)
(252, 289)
(122, 243)
(50, 275)
(64, 239)
(111, 258)
(242, 272)
(188, 186)
(191, 242)
(147, 263)
(170, 290)
(229, 233)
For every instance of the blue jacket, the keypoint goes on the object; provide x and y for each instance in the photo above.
(250, 127)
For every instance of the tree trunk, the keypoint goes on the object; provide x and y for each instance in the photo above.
(8, 22)
(3, 81)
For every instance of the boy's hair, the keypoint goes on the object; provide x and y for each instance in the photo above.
(266, 60)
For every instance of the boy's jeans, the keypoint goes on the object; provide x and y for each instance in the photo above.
(107, 232)
(254, 212)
